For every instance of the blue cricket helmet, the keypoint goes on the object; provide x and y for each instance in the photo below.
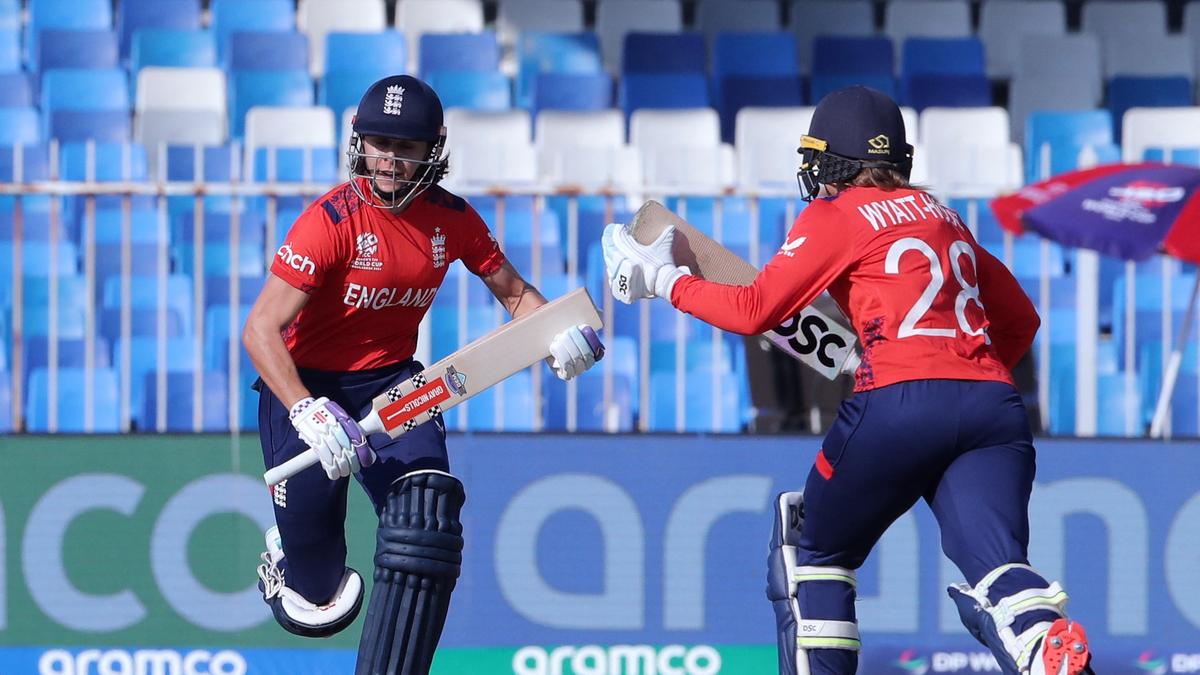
(397, 107)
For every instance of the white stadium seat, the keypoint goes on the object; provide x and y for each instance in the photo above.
(969, 152)
(681, 150)
(489, 150)
(317, 18)
(586, 150)
(1158, 128)
(180, 106)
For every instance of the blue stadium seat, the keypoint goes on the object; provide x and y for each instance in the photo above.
(290, 165)
(458, 51)
(143, 322)
(512, 399)
(40, 258)
(477, 90)
(143, 226)
(11, 58)
(218, 163)
(143, 260)
(1063, 134)
(20, 126)
(355, 61)
(741, 91)
(143, 294)
(6, 424)
(840, 61)
(215, 392)
(479, 320)
(217, 288)
(135, 15)
(71, 413)
(78, 104)
(101, 126)
(218, 260)
(69, 311)
(69, 48)
(26, 162)
(143, 361)
(698, 403)
(260, 50)
(216, 338)
(72, 353)
(35, 227)
(274, 88)
(554, 53)
(229, 16)
(664, 53)
(1118, 406)
(946, 56)
(1189, 156)
(112, 161)
(16, 91)
(69, 14)
(1150, 92)
(950, 91)
(10, 15)
(572, 91)
(342, 90)
(172, 49)
(768, 55)
(669, 90)
(590, 412)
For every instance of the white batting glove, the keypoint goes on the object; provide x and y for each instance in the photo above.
(574, 351)
(335, 436)
(636, 271)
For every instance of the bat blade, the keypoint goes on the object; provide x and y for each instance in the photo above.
(817, 336)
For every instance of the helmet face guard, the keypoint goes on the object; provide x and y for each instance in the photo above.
(365, 183)
(819, 166)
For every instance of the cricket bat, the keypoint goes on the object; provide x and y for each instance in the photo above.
(509, 349)
(813, 337)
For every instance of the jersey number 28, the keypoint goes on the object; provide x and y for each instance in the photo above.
(968, 292)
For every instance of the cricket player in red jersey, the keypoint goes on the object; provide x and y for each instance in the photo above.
(935, 414)
(336, 325)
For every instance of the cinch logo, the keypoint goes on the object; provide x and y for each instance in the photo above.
(617, 660)
(1149, 664)
(142, 662)
(300, 263)
(910, 662)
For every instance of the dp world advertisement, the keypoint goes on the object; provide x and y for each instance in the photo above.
(585, 555)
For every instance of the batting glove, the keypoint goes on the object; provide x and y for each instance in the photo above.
(335, 436)
(636, 271)
(574, 351)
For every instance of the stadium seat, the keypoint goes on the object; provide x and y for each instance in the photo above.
(72, 390)
(143, 226)
(217, 290)
(143, 294)
(10, 15)
(218, 227)
(288, 88)
(1033, 95)
(941, 56)
(707, 407)
(172, 49)
(74, 48)
(739, 92)
(809, 19)
(16, 91)
(547, 16)
(260, 50)
(1146, 92)
(508, 406)
(179, 410)
(591, 413)
(24, 163)
(1062, 58)
(840, 61)
(289, 127)
(1002, 25)
(135, 15)
(66, 14)
(947, 91)
(72, 353)
(766, 140)
(12, 60)
(616, 18)
(218, 259)
(746, 16)
(84, 89)
(969, 153)
(754, 69)
(113, 162)
(476, 52)
(490, 148)
(586, 149)
(1116, 20)
(6, 424)
(144, 362)
(553, 53)
(229, 16)
(572, 91)
(926, 19)
(355, 61)
(181, 106)
(663, 91)
(1054, 139)
(72, 302)
(101, 126)
(475, 90)
(681, 150)
(663, 52)
(316, 18)
(417, 17)
(1155, 55)
(1162, 128)
(20, 126)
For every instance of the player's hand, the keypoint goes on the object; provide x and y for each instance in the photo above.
(636, 271)
(335, 436)
(575, 350)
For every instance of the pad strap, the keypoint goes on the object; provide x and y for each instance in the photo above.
(825, 573)
(814, 634)
(1004, 611)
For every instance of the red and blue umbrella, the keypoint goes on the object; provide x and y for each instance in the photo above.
(1128, 211)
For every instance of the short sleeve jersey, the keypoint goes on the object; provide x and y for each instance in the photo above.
(371, 275)
(926, 301)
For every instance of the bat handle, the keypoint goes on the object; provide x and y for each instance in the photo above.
(293, 466)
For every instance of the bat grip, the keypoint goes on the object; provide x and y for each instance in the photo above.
(593, 341)
(277, 474)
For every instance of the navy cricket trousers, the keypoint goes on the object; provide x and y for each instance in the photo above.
(963, 446)
(310, 510)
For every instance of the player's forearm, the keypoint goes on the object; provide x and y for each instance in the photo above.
(273, 363)
(737, 309)
(526, 301)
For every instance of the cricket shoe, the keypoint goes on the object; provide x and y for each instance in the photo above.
(1065, 649)
(291, 610)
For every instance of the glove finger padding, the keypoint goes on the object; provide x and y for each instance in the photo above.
(562, 359)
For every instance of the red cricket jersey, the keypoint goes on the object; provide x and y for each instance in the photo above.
(372, 275)
(926, 300)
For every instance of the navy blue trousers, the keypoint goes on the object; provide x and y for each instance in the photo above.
(964, 447)
(312, 512)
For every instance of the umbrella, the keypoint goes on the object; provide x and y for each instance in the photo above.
(1129, 211)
